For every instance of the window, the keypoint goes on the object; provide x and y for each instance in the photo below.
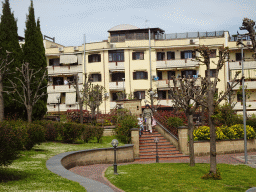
(116, 56)
(187, 54)
(239, 97)
(161, 94)
(212, 72)
(159, 75)
(118, 76)
(54, 62)
(188, 73)
(94, 58)
(95, 77)
(170, 55)
(213, 53)
(139, 94)
(239, 56)
(70, 79)
(140, 75)
(160, 56)
(58, 81)
(171, 74)
(138, 56)
(118, 96)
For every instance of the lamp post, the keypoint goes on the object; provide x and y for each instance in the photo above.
(115, 143)
(58, 98)
(123, 86)
(156, 140)
(240, 42)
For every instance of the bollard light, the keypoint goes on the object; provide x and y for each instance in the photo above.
(115, 143)
(156, 140)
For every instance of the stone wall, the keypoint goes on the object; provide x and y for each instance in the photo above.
(132, 105)
(98, 156)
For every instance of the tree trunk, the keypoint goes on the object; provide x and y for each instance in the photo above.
(191, 139)
(29, 112)
(213, 161)
(1, 101)
(81, 111)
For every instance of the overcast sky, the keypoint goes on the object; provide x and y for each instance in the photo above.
(68, 20)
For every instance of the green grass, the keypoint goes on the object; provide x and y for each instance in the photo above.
(29, 172)
(181, 177)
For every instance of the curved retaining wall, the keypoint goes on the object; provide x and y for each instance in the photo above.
(98, 156)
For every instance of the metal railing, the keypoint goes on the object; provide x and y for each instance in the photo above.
(189, 35)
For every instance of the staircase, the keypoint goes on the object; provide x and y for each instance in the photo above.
(166, 151)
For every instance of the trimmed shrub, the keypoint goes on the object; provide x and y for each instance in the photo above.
(36, 135)
(88, 133)
(71, 132)
(174, 121)
(239, 129)
(11, 142)
(219, 134)
(229, 132)
(123, 127)
(202, 133)
(98, 132)
(252, 122)
(50, 130)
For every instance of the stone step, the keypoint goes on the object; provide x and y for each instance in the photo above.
(151, 138)
(159, 153)
(152, 142)
(159, 150)
(163, 158)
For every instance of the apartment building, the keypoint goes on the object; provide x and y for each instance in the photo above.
(128, 62)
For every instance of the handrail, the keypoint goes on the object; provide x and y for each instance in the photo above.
(166, 130)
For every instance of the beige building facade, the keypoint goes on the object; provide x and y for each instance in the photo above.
(129, 62)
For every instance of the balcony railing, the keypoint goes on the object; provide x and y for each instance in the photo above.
(63, 107)
(249, 105)
(62, 88)
(112, 104)
(177, 63)
(116, 66)
(119, 85)
(247, 84)
(169, 83)
(189, 35)
(237, 65)
(65, 69)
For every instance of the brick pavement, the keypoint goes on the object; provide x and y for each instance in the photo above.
(96, 172)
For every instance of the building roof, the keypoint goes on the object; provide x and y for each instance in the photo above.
(123, 27)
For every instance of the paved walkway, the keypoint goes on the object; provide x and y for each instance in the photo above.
(96, 172)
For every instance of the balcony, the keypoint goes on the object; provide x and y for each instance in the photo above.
(237, 65)
(181, 63)
(65, 69)
(63, 107)
(164, 84)
(119, 85)
(249, 106)
(62, 88)
(112, 104)
(116, 66)
(247, 84)
(165, 102)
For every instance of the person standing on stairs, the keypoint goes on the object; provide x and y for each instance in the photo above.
(147, 115)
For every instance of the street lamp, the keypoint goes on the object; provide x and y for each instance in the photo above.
(58, 98)
(115, 143)
(156, 140)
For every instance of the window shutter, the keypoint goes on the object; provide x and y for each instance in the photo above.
(99, 58)
(99, 77)
(134, 75)
(193, 54)
(133, 56)
(141, 55)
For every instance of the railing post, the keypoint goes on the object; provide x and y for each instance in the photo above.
(183, 139)
(135, 140)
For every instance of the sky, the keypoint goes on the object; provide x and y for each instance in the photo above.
(69, 20)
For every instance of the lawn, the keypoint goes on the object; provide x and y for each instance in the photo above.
(180, 177)
(29, 172)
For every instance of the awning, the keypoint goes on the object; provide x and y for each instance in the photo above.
(52, 97)
(68, 59)
(116, 70)
(80, 59)
(70, 98)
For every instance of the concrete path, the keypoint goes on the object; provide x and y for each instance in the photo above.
(92, 176)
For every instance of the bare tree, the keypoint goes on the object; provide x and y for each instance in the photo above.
(249, 25)
(80, 98)
(184, 93)
(3, 73)
(28, 96)
(212, 100)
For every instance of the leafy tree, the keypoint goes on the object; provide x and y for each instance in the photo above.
(34, 54)
(9, 42)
